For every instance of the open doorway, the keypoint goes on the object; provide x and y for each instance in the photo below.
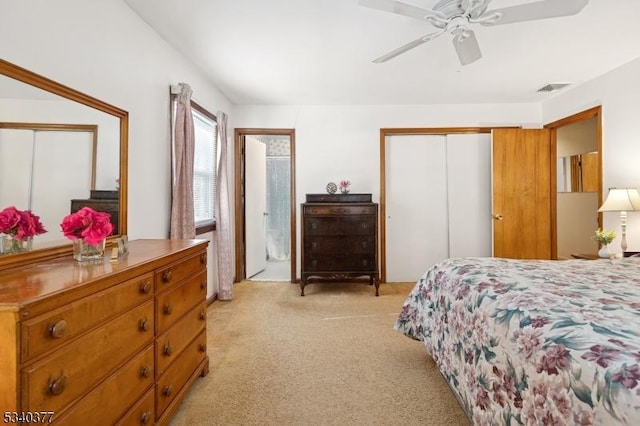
(577, 183)
(265, 206)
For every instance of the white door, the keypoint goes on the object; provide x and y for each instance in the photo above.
(469, 178)
(255, 181)
(66, 176)
(416, 205)
(438, 198)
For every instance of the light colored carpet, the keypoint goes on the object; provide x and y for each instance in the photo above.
(328, 358)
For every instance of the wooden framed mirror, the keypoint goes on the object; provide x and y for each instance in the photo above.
(27, 97)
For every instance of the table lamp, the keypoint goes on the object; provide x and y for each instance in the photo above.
(623, 201)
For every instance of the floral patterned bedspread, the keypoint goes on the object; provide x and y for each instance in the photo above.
(533, 342)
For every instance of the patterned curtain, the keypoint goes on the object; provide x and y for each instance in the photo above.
(182, 216)
(223, 232)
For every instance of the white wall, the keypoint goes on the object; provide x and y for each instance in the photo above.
(619, 94)
(105, 50)
(343, 142)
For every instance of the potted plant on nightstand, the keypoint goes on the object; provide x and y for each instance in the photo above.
(604, 238)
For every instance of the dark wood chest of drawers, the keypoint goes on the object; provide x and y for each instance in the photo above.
(339, 242)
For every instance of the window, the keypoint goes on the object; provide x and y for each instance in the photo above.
(204, 167)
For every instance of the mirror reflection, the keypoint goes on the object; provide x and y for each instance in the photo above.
(578, 173)
(56, 156)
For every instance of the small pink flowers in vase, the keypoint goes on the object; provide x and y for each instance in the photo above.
(88, 229)
(19, 227)
(344, 186)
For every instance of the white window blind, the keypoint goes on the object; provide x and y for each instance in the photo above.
(204, 168)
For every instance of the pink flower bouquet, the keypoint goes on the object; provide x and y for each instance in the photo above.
(20, 224)
(345, 184)
(88, 225)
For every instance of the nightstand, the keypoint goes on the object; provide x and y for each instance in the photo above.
(585, 256)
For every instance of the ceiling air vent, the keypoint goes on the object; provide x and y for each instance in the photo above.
(552, 87)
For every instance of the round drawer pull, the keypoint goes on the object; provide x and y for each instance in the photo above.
(168, 350)
(145, 372)
(145, 287)
(168, 390)
(58, 329)
(145, 417)
(143, 325)
(57, 386)
(203, 259)
(202, 347)
(203, 315)
(314, 226)
(315, 244)
(168, 308)
(166, 276)
(203, 284)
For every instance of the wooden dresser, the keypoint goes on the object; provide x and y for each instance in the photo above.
(105, 343)
(339, 238)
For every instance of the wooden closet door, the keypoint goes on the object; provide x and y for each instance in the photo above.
(522, 193)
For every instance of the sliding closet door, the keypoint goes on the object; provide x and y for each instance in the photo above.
(469, 178)
(62, 172)
(438, 201)
(16, 153)
(416, 205)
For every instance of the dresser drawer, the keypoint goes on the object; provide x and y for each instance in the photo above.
(173, 304)
(339, 226)
(171, 382)
(338, 210)
(55, 382)
(142, 413)
(116, 395)
(170, 345)
(331, 245)
(53, 329)
(176, 272)
(339, 263)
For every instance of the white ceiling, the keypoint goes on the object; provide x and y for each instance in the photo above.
(319, 52)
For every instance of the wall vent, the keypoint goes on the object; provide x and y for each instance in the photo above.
(552, 87)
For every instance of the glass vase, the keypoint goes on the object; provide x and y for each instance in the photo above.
(83, 252)
(11, 245)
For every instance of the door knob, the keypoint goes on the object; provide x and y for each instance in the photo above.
(498, 216)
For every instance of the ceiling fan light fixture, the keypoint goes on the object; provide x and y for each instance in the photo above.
(456, 16)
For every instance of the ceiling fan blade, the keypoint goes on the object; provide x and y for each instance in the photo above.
(467, 47)
(408, 46)
(397, 7)
(538, 10)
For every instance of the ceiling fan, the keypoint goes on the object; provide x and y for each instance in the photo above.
(456, 17)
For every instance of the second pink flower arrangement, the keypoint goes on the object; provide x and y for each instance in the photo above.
(88, 225)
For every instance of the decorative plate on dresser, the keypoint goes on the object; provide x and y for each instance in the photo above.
(339, 238)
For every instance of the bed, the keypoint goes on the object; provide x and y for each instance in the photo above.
(533, 342)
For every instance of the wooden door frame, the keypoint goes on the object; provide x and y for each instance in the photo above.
(554, 126)
(239, 135)
(383, 176)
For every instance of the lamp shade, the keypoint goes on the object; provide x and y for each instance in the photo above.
(621, 200)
